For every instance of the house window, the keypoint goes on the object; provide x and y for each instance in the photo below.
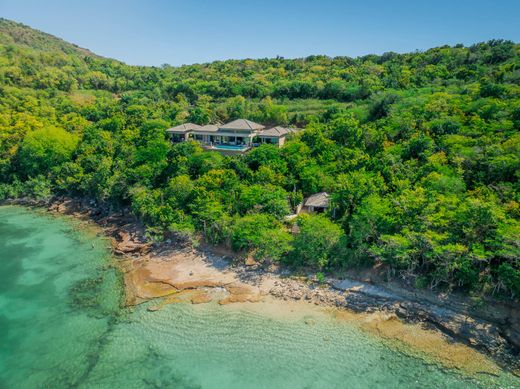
(270, 141)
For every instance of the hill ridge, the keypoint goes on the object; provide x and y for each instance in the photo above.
(12, 32)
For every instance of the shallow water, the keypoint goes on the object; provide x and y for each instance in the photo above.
(61, 325)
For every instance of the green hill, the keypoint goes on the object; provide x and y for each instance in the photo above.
(420, 153)
(12, 33)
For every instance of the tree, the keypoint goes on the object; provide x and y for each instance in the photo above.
(43, 149)
(419, 152)
(248, 231)
(351, 189)
(211, 218)
(347, 131)
(373, 218)
(178, 191)
(272, 244)
(269, 199)
(316, 243)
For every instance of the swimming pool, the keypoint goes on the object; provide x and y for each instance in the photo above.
(231, 147)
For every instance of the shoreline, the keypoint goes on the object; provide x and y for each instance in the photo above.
(175, 271)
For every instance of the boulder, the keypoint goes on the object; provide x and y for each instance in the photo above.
(250, 262)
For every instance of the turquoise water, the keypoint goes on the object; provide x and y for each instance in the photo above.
(61, 326)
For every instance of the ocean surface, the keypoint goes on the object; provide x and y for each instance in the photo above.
(62, 326)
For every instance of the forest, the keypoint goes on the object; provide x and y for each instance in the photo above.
(420, 153)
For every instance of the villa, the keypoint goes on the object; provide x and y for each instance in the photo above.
(181, 132)
(316, 203)
(234, 137)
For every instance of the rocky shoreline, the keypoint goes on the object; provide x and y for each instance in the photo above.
(498, 340)
(174, 270)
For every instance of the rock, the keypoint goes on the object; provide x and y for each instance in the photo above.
(125, 244)
(200, 298)
(131, 248)
(513, 336)
(250, 262)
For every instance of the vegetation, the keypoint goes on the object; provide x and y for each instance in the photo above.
(420, 152)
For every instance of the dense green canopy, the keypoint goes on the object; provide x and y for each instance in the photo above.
(420, 152)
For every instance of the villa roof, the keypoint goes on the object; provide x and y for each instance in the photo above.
(207, 128)
(242, 124)
(319, 200)
(277, 132)
(182, 128)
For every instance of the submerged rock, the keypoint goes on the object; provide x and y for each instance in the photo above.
(201, 298)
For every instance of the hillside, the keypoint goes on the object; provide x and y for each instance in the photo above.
(420, 153)
(12, 33)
